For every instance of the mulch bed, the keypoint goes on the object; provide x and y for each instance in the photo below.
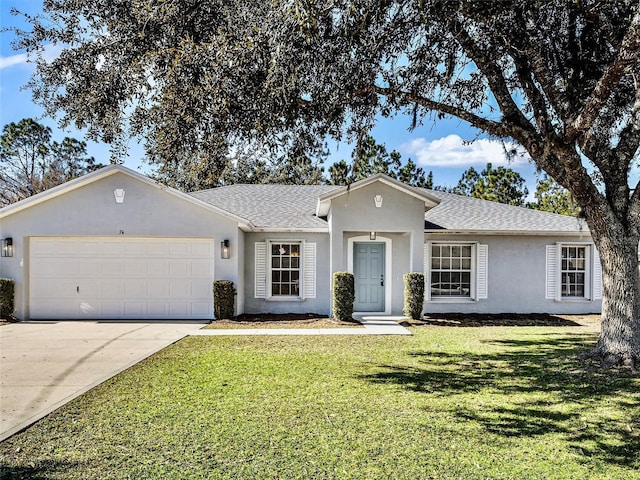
(286, 320)
(505, 320)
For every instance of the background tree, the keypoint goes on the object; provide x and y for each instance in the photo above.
(500, 184)
(30, 162)
(370, 158)
(551, 197)
(558, 77)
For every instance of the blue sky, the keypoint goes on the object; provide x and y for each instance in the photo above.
(437, 145)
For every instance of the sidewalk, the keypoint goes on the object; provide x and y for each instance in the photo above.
(373, 325)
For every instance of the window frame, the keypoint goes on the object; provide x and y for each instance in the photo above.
(588, 275)
(270, 269)
(473, 272)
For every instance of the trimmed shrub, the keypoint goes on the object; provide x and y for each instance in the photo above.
(7, 292)
(413, 295)
(223, 299)
(344, 294)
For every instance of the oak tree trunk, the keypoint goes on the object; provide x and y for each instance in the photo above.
(619, 342)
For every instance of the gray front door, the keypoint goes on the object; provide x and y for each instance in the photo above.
(368, 262)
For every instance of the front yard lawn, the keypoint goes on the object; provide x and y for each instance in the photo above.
(449, 403)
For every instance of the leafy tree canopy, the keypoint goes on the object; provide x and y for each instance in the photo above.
(559, 77)
(369, 158)
(500, 184)
(31, 162)
(551, 197)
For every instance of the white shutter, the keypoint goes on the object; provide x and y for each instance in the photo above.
(552, 272)
(482, 272)
(597, 275)
(427, 272)
(261, 270)
(309, 270)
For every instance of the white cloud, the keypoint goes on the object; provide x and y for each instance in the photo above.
(452, 151)
(49, 53)
(19, 59)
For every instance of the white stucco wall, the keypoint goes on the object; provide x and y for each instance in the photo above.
(320, 304)
(91, 210)
(516, 277)
(400, 219)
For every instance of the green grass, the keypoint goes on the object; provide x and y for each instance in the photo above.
(448, 403)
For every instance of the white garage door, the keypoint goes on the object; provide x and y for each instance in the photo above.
(117, 277)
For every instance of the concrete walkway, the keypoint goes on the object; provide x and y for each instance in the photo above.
(372, 326)
(44, 365)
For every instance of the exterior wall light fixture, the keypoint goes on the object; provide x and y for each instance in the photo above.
(7, 247)
(225, 249)
(372, 235)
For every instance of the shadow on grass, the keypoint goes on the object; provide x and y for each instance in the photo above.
(532, 387)
(38, 470)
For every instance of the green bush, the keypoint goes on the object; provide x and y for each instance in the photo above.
(413, 295)
(344, 294)
(223, 299)
(7, 291)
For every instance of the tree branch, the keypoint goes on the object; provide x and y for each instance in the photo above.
(494, 75)
(627, 56)
(499, 129)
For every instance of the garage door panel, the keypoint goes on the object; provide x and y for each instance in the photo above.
(157, 288)
(180, 269)
(115, 277)
(199, 309)
(201, 288)
(112, 268)
(87, 268)
(201, 269)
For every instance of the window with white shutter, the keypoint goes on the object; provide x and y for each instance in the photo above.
(285, 269)
(456, 271)
(572, 273)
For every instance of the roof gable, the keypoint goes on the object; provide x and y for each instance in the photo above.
(324, 200)
(104, 172)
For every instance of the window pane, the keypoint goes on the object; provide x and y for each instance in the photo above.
(295, 275)
(275, 247)
(286, 261)
(275, 276)
(451, 270)
(295, 262)
(275, 262)
(573, 271)
(275, 289)
(295, 250)
(284, 290)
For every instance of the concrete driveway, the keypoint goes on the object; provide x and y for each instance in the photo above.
(43, 365)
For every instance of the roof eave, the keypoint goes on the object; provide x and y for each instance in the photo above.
(536, 233)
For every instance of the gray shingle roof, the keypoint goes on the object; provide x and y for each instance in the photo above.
(290, 207)
(456, 212)
(270, 206)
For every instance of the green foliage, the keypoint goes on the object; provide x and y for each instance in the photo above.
(413, 295)
(447, 403)
(223, 299)
(500, 184)
(31, 162)
(551, 197)
(7, 297)
(369, 158)
(343, 295)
